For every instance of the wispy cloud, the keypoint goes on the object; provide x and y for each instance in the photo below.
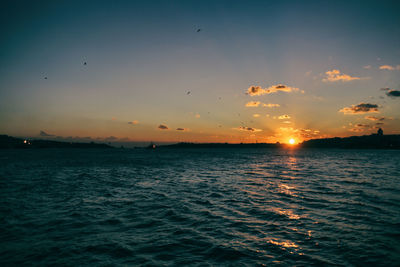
(373, 118)
(163, 127)
(133, 122)
(270, 105)
(258, 90)
(253, 104)
(367, 67)
(256, 115)
(283, 117)
(388, 67)
(360, 109)
(43, 133)
(359, 127)
(248, 129)
(336, 75)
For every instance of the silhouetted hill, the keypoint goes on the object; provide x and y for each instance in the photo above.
(374, 141)
(13, 142)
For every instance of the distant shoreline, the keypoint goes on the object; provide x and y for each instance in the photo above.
(9, 142)
(374, 141)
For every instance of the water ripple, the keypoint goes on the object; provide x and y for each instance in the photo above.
(217, 207)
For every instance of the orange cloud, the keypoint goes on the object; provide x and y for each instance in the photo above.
(133, 122)
(283, 117)
(256, 115)
(258, 90)
(252, 104)
(360, 109)
(249, 129)
(373, 118)
(336, 75)
(388, 67)
(269, 105)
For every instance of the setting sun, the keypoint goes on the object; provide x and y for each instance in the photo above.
(292, 141)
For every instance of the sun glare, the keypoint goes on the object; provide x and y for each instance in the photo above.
(292, 141)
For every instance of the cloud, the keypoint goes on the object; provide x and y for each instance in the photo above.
(258, 90)
(284, 117)
(359, 127)
(133, 122)
(197, 116)
(163, 127)
(250, 129)
(182, 129)
(269, 105)
(388, 67)
(373, 118)
(356, 130)
(360, 109)
(336, 75)
(309, 133)
(252, 104)
(43, 133)
(367, 67)
(256, 115)
(393, 93)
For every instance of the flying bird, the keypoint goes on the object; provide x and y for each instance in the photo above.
(188, 93)
(84, 63)
(198, 30)
(45, 78)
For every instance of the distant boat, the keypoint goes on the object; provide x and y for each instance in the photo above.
(151, 146)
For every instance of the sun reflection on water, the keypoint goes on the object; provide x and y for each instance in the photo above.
(288, 213)
(283, 244)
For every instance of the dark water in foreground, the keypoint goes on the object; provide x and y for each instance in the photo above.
(237, 207)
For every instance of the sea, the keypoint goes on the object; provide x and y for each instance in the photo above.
(199, 207)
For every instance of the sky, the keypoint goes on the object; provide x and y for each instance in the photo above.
(199, 71)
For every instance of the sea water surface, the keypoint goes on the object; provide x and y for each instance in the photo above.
(199, 207)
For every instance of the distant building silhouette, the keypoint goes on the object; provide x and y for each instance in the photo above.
(380, 132)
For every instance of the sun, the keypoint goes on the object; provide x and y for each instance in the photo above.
(292, 141)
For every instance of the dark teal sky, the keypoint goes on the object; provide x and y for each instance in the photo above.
(144, 56)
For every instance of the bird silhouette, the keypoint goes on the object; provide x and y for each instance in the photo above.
(188, 93)
(45, 78)
(198, 30)
(84, 63)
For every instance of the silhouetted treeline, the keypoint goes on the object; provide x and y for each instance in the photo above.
(373, 141)
(13, 142)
